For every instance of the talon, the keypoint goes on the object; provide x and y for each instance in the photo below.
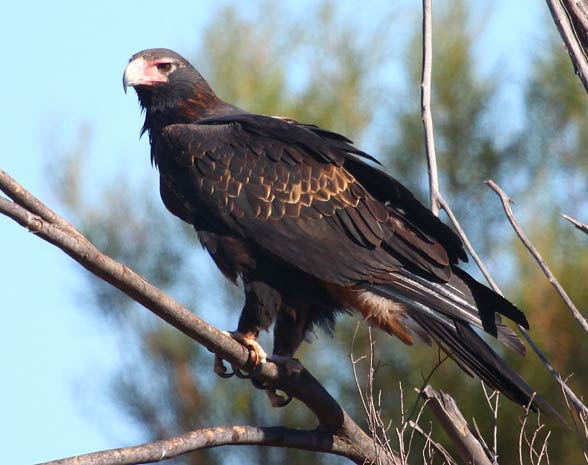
(239, 374)
(258, 384)
(277, 400)
(257, 355)
(220, 369)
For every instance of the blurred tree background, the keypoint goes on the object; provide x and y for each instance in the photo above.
(323, 72)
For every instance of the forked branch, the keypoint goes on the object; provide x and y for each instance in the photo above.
(571, 395)
(335, 426)
(537, 256)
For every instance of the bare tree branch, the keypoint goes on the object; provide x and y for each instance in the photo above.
(470, 248)
(436, 198)
(449, 423)
(571, 19)
(467, 444)
(438, 447)
(44, 223)
(578, 404)
(582, 227)
(276, 436)
(427, 117)
(537, 256)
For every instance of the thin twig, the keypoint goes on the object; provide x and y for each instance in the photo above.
(578, 404)
(522, 431)
(494, 409)
(470, 248)
(543, 451)
(436, 199)
(582, 227)
(438, 447)
(537, 256)
(376, 425)
(426, 106)
(416, 421)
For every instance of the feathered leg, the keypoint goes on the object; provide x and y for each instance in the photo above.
(261, 304)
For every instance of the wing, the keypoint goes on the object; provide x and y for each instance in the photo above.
(291, 190)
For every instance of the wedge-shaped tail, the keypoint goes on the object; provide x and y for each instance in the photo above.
(447, 312)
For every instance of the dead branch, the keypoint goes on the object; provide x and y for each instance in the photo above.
(434, 193)
(436, 198)
(571, 19)
(582, 227)
(277, 436)
(578, 404)
(537, 256)
(437, 201)
(446, 411)
(438, 447)
(32, 214)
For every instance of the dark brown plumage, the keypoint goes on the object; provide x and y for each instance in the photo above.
(312, 227)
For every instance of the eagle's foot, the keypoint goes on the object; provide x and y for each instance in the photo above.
(220, 369)
(293, 368)
(257, 356)
(277, 400)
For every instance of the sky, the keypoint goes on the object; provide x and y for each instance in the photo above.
(62, 70)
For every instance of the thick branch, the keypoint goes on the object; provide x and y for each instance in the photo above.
(455, 425)
(277, 436)
(571, 19)
(54, 229)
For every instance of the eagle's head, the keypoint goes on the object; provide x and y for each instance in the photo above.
(169, 88)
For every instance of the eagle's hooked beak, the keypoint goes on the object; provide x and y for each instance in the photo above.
(134, 73)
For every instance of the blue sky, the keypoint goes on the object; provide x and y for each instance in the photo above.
(62, 67)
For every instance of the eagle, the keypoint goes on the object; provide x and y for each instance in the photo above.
(314, 227)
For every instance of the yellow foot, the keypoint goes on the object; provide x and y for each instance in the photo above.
(257, 355)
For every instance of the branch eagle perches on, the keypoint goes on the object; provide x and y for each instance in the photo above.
(336, 433)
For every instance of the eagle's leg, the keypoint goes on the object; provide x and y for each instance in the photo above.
(289, 331)
(255, 316)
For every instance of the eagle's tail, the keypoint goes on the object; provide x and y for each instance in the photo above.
(445, 313)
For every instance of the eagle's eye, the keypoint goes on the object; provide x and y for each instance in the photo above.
(164, 67)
